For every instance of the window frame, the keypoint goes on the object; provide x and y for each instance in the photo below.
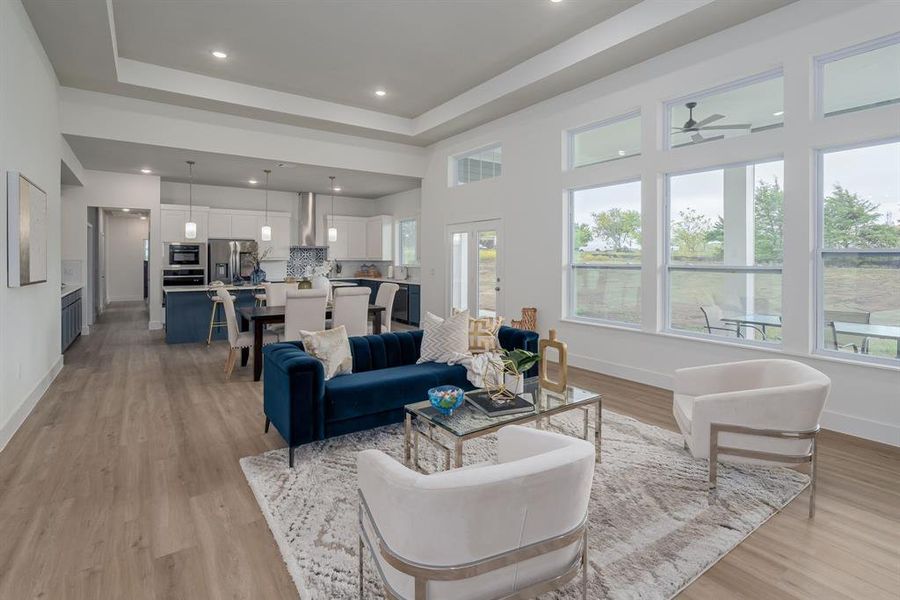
(819, 348)
(398, 248)
(571, 133)
(571, 267)
(821, 60)
(724, 87)
(455, 158)
(669, 267)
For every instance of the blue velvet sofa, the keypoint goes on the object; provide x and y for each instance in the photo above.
(304, 407)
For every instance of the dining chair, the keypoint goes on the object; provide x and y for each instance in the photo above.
(237, 339)
(351, 309)
(712, 313)
(304, 310)
(275, 293)
(322, 283)
(385, 298)
(857, 343)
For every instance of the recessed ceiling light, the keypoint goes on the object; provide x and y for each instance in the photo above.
(380, 92)
(621, 153)
(146, 171)
(253, 182)
(778, 114)
(126, 210)
(337, 188)
(555, 1)
(143, 218)
(219, 54)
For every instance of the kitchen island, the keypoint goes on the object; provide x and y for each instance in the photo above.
(188, 310)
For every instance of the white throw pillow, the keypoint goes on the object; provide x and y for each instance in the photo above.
(445, 340)
(332, 348)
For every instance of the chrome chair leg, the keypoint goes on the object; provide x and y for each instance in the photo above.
(813, 471)
(584, 566)
(361, 584)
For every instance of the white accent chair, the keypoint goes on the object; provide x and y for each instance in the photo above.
(511, 530)
(351, 309)
(385, 298)
(759, 411)
(237, 339)
(304, 310)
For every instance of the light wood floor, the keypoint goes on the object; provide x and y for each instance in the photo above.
(124, 484)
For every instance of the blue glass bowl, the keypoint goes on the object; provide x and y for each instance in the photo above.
(446, 398)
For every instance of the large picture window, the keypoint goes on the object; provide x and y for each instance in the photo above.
(605, 251)
(725, 251)
(859, 241)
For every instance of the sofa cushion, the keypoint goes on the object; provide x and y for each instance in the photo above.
(372, 352)
(381, 390)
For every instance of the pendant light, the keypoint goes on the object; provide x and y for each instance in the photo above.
(332, 230)
(190, 228)
(266, 233)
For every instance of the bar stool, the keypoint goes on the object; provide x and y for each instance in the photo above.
(211, 293)
(260, 299)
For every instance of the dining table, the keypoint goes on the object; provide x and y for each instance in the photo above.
(258, 317)
(872, 330)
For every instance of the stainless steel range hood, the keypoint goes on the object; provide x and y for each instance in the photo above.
(306, 219)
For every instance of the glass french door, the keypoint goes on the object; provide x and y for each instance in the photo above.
(475, 254)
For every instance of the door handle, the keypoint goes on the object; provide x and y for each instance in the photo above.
(496, 289)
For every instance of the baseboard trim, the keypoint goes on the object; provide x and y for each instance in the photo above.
(154, 325)
(875, 431)
(85, 330)
(18, 417)
(860, 427)
(645, 376)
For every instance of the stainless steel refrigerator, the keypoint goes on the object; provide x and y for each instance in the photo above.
(230, 260)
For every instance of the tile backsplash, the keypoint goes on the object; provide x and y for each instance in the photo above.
(303, 258)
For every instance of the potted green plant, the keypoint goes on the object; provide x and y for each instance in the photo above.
(515, 364)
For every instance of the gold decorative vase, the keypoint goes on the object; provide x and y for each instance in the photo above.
(562, 356)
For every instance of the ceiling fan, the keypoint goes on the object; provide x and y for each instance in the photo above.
(695, 127)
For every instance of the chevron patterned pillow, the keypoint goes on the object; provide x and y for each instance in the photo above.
(445, 340)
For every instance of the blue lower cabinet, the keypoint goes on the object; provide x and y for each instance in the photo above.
(71, 319)
(415, 305)
(188, 314)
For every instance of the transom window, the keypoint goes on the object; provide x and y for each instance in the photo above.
(860, 77)
(605, 253)
(740, 108)
(608, 140)
(859, 251)
(477, 165)
(725, 251)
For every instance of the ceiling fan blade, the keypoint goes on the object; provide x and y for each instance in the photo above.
(697, 138)
(731, 126)
(709, 120)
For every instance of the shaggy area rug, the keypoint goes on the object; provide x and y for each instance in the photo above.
(654, 526)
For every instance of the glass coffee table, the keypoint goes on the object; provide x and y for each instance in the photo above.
(467, 422)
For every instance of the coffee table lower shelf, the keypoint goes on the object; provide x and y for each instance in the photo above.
(453, 452)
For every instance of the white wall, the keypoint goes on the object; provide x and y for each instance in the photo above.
(115, 190)
(401, 204)
(29, 143)
(125, 257)
(531, 198)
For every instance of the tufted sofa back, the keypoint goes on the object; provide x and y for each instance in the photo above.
(373, 352)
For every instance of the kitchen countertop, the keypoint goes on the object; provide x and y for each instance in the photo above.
(68, 288)
(203, 288)
(388, 279)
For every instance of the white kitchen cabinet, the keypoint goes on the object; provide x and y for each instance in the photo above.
(173, 221)
(356, 239)
(280, 243)
(245, 227)
(219, 225)
(379, 236)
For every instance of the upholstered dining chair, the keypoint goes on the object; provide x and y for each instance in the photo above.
(761, 411)
(510, 530)
(237, 339)
(385, 298)
(304, 310)
(351, 309)
(275, 293)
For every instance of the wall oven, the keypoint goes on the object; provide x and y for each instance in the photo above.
(184, 255)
